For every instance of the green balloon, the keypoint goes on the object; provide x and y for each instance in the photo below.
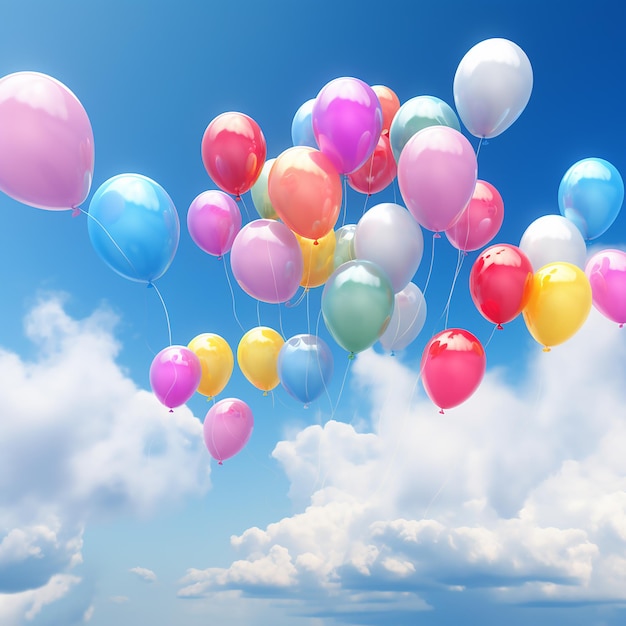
(260, 195)
(415, 115)
(357, 303)
(344, 245)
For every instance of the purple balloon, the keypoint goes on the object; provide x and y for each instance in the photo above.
(227, 428)
(606, 271)
(175, 375)
(266, 260)
(347, 121)
(46, 142)
(213, 221)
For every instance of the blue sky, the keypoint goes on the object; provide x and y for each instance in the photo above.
(368, 506)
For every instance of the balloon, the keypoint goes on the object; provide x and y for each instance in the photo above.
(233, 152)
(318, 257)
(388, 235)
(175, 375)
(302, 126)
(500, 283)
(213, 221)
(260, 194)
(305, 190)
(437, 174)
(347, 122)
(217, 361)
(344, 245)
(492, 86)
(133, 226)
(227, 428)
(305, 367)
(257, 356)
(267, 261)
(453, 366)
(591, 195)
(559, 303)
(415, 115)
(553, 238)
(479, 221)
(389, 104)
(407, 320)
(357, 304)
(606, 271)
(46, 142)
(377, 172)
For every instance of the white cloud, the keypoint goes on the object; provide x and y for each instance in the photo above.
(520, 492)
(144, 573)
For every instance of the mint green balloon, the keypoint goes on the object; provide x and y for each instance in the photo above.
(344, 245)
(415, 115)
(260, 195)
(357, 304)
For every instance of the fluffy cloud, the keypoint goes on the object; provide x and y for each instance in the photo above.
(144, 573)
(520, 493)
(79, 439)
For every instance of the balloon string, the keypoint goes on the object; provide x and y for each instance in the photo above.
(167, 316)
(367, 197)
(292, 305)
(258, 312)
(493, 332)
(432, 262)
(480, 143)
(280, 321)
(308, 312)
(245, 206)
(232, 294)
(345, 199)
(459, 264)
(343, 384)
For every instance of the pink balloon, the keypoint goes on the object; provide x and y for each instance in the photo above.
(213, 221)
(479, 221)
(437, 172)
(453, 366)
(266, 260)
(227, 428)
(606, 271)
(347, 121)
(46, 142)
(175, 374)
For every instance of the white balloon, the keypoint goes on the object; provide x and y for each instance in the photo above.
(389, 235)
(407, 319)
(551, 239)
(492, 86)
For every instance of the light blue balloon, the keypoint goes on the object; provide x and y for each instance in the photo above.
(305, 367)
(591, 195)
(134, 227)
(302, 126)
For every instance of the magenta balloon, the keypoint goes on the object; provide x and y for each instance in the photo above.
(175, 374)
(437, 172)
(46, 142)
(606, 271)
(347, 121)
(213, 221)
(227, 428)
(266, 260)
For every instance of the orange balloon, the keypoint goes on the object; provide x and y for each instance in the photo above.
(305, 191)
(390, 104)
(319, 259)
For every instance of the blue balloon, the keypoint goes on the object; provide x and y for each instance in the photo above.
(134, 227)
(591, 195)
(302, 126)
(305, 367)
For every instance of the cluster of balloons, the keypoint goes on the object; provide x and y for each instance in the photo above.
(364, 135)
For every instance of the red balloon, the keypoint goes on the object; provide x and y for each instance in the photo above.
(377, 172)
(500, 283)
(453, 366)
(233, 152)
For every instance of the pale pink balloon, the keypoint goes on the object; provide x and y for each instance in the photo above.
(175, 374)
(266, 260)
(479, 221)
(227, 428)
(46, 142)
(606, 271)
(437, 172)
(213, 221)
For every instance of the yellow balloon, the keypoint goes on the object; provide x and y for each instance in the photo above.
(217, 361)
(559, 303)
(319, 257)
(257, 356)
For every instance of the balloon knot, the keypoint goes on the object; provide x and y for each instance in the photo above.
(621, 325)
(441, 412)
(393, 353)
(238, 198)
(500, 327)
(436, 236)
(316, 243)
(546, 349)
(219, 257)
(75, 211)
(265, 393)
(220, 463)
(149, 285)
(351, 356)
(171, 410)
(306, 406)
